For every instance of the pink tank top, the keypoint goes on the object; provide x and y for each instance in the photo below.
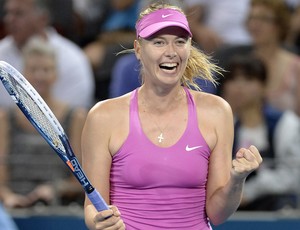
(161, 188)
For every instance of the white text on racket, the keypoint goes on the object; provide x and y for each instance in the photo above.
(79, 173)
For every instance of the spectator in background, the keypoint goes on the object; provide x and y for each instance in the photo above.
(293, 37)
(268, 22)
(117, 31)
(217, 23)
(48, 180)
(89, 15)
(26, 18)
(125, 76)
(2, 30)
(276, 134)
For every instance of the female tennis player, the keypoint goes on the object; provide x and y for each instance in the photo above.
(161, 154)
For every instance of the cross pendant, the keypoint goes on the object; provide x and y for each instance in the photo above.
(160, 138)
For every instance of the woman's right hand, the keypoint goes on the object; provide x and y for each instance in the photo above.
(109, 219)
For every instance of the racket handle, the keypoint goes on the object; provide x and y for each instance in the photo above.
(97, 201)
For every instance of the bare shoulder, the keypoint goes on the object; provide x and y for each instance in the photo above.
(110, 110)
(215, 119)
(212, 104)
(109, 121)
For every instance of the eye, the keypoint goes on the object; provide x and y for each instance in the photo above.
(181, 41)
(158, 42)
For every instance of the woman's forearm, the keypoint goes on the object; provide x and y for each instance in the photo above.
(225, 201)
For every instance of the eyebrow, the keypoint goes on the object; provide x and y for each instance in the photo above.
(162, 37)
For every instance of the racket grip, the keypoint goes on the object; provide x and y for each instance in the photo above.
(97, 201)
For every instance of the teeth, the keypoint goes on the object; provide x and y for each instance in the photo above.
(169, 64)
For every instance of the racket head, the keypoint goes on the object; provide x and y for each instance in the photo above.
(33, 107)
(42, 118)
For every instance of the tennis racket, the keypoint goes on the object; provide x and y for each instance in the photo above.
(45, 122)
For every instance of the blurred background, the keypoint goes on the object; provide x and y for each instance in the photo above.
(255, 41)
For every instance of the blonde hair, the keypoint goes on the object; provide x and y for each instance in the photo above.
(199, 65)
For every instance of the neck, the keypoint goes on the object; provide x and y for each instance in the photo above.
(157, 100)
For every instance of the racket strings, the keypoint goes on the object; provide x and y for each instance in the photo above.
(36, 113)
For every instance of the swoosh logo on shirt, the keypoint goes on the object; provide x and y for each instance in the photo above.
(166, 15)
(188, 149)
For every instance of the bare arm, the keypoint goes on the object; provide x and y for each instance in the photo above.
(97, 160)
(226, 177)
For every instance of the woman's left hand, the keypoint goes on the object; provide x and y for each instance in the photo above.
(246, 161)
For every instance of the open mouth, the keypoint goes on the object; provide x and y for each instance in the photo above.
(168, 66)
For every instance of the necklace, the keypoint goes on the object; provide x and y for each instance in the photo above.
(160, 137)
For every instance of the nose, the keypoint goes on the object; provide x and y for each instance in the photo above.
(171, 51)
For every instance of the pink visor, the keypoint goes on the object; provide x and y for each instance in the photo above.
(160, 19)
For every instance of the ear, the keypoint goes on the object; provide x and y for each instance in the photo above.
(137, 49)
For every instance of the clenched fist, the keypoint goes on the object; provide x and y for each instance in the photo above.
(246, 161)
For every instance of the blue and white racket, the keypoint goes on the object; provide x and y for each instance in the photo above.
(45, 122)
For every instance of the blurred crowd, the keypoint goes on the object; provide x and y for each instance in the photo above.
(68, 50)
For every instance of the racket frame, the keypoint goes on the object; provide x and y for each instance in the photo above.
(67, 156)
